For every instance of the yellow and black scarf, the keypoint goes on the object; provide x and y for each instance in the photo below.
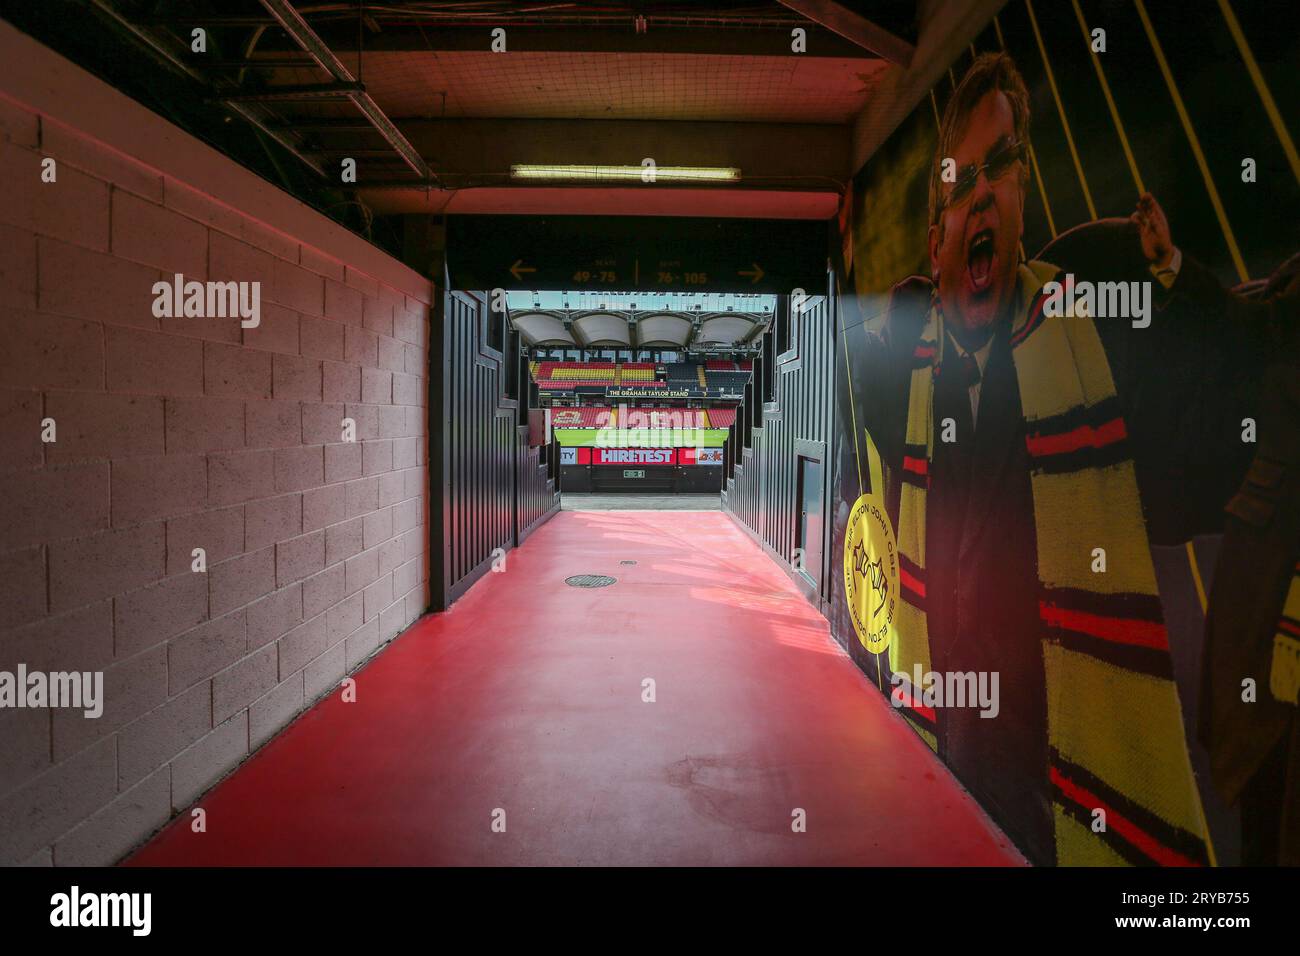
(1284, 675)
(1115, 728)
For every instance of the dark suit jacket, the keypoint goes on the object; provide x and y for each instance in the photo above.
(1256, 745)
(1260, 547)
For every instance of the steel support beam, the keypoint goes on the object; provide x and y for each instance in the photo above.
(355, 152)
(160, 50)
(294, 24)
(946, 31)
(262, 63)
(855, 28)
(324, 124)
(314, 91)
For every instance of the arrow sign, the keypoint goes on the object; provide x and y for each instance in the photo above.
(635, 253)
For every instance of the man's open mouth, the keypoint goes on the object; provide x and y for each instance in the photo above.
(980, 259)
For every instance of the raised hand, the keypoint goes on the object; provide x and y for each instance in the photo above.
(1153, 229)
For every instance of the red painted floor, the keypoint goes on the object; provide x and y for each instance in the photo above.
(526, 696)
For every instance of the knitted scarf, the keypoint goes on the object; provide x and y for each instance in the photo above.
(1115, 728)
(1284, 675)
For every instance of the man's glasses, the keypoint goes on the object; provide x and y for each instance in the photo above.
(996, 167)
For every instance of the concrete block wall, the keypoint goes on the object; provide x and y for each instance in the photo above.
(181, 433)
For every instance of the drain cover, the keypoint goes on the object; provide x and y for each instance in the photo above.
(590, 581)
(627, 562)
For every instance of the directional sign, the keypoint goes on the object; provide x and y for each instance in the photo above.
(636, 254)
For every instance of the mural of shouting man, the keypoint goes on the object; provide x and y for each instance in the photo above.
(1009, 434)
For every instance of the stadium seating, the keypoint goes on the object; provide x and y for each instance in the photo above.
(692, 377)
(583, 373)
(682, 375)
(589, 416)
(665, 418)
(637, 373)
(603, 416)
(732, 379)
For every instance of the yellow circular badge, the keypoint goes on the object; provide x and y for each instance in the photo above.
(871, 573)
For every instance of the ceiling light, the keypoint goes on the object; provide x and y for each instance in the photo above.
(688, 174)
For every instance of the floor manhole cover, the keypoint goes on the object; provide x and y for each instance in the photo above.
(589, 581)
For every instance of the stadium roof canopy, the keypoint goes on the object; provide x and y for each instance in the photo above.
(640, 320)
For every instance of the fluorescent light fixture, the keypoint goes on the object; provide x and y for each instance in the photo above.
(678, 174)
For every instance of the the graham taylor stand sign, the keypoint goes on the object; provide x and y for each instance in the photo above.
(635, 254)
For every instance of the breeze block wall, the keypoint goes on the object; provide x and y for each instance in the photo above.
(179, 433)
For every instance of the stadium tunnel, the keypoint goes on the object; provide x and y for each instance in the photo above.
(324, 311)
